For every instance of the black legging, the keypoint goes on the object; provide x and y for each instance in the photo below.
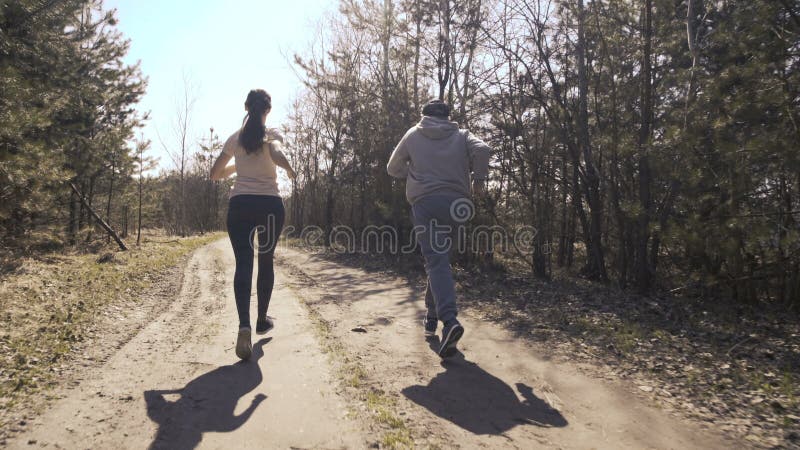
(249, 215)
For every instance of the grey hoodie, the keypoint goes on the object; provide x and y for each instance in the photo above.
(436, 157)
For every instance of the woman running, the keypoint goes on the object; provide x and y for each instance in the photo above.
(255, 207)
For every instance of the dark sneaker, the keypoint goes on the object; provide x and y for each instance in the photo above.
(430, 326)
(243, 346)
(263, 326)
(450, 336)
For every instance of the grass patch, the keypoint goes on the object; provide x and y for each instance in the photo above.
(787, 388)
(386, 417)
(397, 439)
(351, 374)
(661, 335)
(627, 336)
(623, 335)
(376, 399)
(356, 377)
(51, 304)
(382, 407)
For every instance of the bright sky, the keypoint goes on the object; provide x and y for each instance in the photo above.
(225, 49)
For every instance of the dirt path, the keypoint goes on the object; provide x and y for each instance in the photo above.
(177, 383)
(498, 394)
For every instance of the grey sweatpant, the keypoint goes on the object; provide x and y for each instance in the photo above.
(436, 235)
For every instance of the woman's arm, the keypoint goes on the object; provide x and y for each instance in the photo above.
(280, 159)
(228, 171)
(221, 169)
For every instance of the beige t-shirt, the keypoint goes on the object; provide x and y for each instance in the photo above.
(255, 172)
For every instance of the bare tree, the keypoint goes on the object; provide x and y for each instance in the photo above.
(144, 164)
(180, 151)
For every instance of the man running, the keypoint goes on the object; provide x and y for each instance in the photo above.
(436, 158)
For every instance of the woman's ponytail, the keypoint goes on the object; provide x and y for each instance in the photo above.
(252, 135)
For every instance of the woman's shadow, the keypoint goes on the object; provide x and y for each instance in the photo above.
(481, 403)
(206, 403)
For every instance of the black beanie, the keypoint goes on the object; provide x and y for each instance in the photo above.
(437, 108)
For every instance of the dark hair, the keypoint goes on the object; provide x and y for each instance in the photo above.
(436, 108)
(252, 135)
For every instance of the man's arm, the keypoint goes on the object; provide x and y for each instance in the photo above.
(398, 162)
(479, 153)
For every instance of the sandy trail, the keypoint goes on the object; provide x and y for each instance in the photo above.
(497, 394)
(177, 384)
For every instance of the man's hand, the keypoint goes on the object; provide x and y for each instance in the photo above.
(478, 187)
(291, 173)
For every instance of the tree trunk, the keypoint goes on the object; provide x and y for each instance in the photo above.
(445, 48)
(417, 44)
(125, 221)
(595, 265)
(561, 260)
(473, 26)
(643, 269)
(692, 7)
(99, 220)
(110, 195)
(141, 183)
(72, 226)
(88, 206)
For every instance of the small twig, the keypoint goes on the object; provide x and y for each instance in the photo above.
(740, 343)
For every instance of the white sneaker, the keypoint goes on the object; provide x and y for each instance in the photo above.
(243, 346)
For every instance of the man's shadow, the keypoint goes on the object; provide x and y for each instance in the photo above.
(479, 402)
(206, 403)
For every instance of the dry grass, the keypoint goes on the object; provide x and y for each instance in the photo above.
(50, 304)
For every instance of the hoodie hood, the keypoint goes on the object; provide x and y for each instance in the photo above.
(436, 128)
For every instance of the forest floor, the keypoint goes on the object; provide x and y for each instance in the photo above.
(345, 367)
